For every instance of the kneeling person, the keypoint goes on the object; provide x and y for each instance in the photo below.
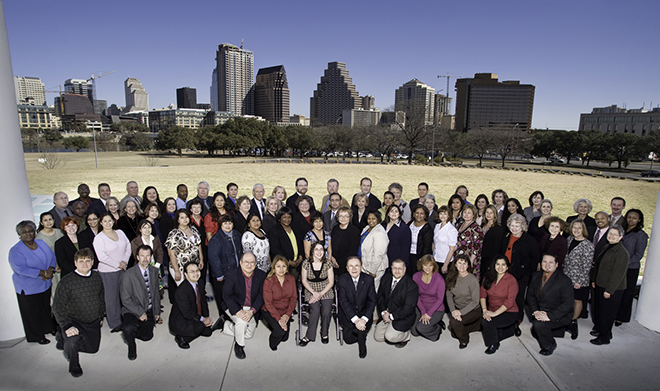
(357, 300)
(140, 301)
(397, 300)
(79, 307)
(550, 298)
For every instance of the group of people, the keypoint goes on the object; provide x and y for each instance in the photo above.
(394, 264)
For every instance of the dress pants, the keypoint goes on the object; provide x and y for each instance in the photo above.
(429, 331)
(520, 298)
(469, 322)
(386, 331)
(543, 331)
(88, 340)
(490, 329)
(605, 313)
(277, 333)
(36, 315)
(240, 330)
(135, 328)
(217, 292)
(353, 335)
(324, 309)
(625, 308)
(111, 282)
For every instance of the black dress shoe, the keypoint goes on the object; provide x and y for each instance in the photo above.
(44, 341)
(617, 323)
(325, 340)
(181, 342)
(491, 349)
(76, 372)
(219, 324)
(363, 352)
(548, 351)
(598, 341)
(462, 345)
(518, 332)
(117, 329)
(132, 355)
(303, 342)
(594, 333)
(573, 329)
(239, 351)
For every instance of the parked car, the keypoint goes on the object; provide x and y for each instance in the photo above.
(556, 160)
(651, 173)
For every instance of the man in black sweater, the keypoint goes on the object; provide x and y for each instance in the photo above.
(78, 307)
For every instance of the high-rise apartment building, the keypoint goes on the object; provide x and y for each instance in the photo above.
(186, 98)
(271, 94)
(29, 91)
(80, 87)
(136, 96)
(335, 93)
(417, 96)
(233, 77)
(484, 102)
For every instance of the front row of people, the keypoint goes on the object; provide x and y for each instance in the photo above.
(403, 306)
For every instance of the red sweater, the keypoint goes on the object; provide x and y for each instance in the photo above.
(501, 294)
(280, 299)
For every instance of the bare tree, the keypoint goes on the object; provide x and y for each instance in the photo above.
(507, 141)
(411, 120)
(479, 142)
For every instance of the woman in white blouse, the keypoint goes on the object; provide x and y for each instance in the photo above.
(445, 237)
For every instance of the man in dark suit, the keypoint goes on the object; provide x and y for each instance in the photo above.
(598, 237)
(357, 300)
(365, 187)
(61, 208)
(330, 216)
(98, 205)
(258, 204)
(550, 299)
(232, 195)
(190, 312)
(140, 301)
(203, 190)
(397, 300)
(243, 297)
(301, 189)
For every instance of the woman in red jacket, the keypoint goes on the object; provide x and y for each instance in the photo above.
(279, 301)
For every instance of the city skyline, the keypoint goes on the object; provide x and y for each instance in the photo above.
(576, 54)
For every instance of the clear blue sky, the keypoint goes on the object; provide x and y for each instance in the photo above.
(579, 54)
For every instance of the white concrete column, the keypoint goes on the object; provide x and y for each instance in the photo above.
(647, 307)
(14, 178)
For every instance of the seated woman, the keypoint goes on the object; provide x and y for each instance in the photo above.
(463, 300)
(318, 277)
(279, 301)
(498, 304)
(430, 302)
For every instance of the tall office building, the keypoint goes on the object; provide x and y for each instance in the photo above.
(136, 97)
(417, 96)
(271, 94)
(484, 102)
(80, 87)
(613, 119)
(233, 77)
(335, 93)
(186, 98)
(368, 102)
(29, 91)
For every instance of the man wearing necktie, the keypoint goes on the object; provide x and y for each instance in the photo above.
(190, 313)
(397, 300)
(258, 204)
(357, 300)
(140, 301)
(550, 298)
(61, 208)
(330, 215)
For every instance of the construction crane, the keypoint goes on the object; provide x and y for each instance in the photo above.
(94, 77)
(448, 76)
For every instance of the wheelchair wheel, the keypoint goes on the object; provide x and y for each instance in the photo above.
(297, 337)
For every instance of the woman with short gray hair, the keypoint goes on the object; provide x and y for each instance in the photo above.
(582, 207)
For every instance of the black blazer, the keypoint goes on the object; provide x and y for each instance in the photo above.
(268, 222)
(345, 243)
(374, 202)
(355, 303)
(64, 252)
(98, 207)
(233, 292)
(556, 298)
(254, 208)
(491, 247)
(424, 240)
(86, 240)
(401, 302)
(524, 256)
(184, 319)
(359, 223)
(280, 243)
(300, 227)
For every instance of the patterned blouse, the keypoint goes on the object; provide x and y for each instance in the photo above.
(311, 237)
(260, 247)
(469, 242)
(577, 263)
(318, 284)
(186, 248)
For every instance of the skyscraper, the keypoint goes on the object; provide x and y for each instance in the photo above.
(80, 87)
(335, 93)
(136, 97)
(29, 90)
(271, 94)
(484, 102)
(417, 96)
(186, 98)
(234, 73)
